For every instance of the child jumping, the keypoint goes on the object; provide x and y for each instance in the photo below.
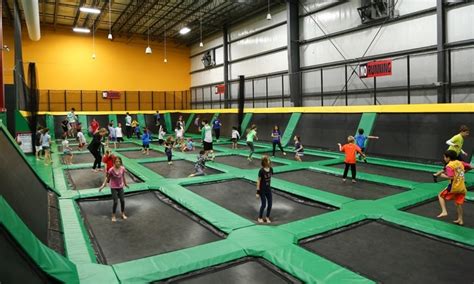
(112, 135)
(456, 190)
(169, 149)
(361, 140)
(264, 191)
(161, 135)
(119, 133)
(206, 136)
(67, 151)
(251, 136)
(38, 142)
(456, 142)
(299, 149)
(116, 178)
(276, 140)
(350, 149)
(81, 139)
(108, 159)
(235, 137)
(200, 165)
(146, 138)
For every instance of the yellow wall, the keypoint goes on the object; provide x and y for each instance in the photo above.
(64, 62)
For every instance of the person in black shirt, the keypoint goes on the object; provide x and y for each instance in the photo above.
(264, 191)
(94, 148)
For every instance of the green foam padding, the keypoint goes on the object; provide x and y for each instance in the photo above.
(54, 264)
(189, 122)
(84, 125)
(50, 125)
(3, 117)
(21, 124)
(367, 122)
(168, 123)
(141, 120)
(113, 117)
(290, 129)
(245, 123)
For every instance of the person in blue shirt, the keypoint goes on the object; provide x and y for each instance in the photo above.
(146, 138)
(361, 140)
(276, 140)
(216, 126)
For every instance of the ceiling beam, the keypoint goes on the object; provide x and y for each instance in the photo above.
(165, 15)
(99, 17)
(78, 12)
(143, 12)
(124, 12)
(89, 16)
(130, 16)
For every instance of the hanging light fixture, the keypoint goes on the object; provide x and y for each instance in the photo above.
(110, 37)
(184, 30)
(269, 16)
(148, 48)
(93, 40)
(90, 10)
(200, 28)
(165, 60)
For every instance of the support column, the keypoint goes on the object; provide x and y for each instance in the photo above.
(441, 54)
(2, 89)
(226, 67)
(294, 52)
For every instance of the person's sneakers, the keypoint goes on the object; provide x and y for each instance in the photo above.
(435, 178)
(267, 219)
(170, 163)
(260, 220)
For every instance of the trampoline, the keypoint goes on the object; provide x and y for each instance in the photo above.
(85, 178)
(431, 209)
(192, 128)
(125, 145)
(389, 254)
(179, 169)
(103, 121)
(334, 184)
(244, 271)
(413, 175)
(265, 123)
(197, 149)
(155, 225)
(291, 156)
(139, 155)
(241, 162)
(241, 146)
(73, 146)
(84, 158)
(238, 196)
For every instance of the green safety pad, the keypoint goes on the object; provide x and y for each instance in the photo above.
(113, 117)
(175, 263)
(21, 123)
(287, 137)
(168, 123)
(367, 122)
(3, 117)
(189, 122)
(141, 120)
(245, 123)
(254, 239)
(96, 273)
(83, 121)
(311, 268)
(54, 264)
(50, 125)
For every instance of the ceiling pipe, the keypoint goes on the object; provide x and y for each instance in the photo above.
(32, 19)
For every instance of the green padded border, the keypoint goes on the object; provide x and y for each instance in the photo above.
(168, 123)
(189, 122)
(290, 128)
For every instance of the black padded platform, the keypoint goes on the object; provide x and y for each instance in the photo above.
(139, 154)
(179, 169)
(266, 121)
(431, 209)
(85, 178)
(291, 156)
(241, 162)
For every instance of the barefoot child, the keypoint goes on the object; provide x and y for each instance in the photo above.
(112, 135)
(350, 149)
(251, 136)
(456, 190)
(200, 165)
(361, 140)
(455, 144)
(108, 159)
(146, 138)
(38, 142)
(46, 146)
(81, 139)
(188, 146)
(116, 178)
(264, 191)
(119, 132)
(299, 149)
(276, 140)
(169, 149)
(235, 137)
(67, 151)
(206, 136)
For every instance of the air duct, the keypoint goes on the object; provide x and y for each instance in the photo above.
(31, 10)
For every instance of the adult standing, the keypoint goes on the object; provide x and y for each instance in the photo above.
(72, 120)
(216, 125)
(94, 148)
(128, 125)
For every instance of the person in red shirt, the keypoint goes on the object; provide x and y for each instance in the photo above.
(94, 126)
(108, 159)
(350, 149)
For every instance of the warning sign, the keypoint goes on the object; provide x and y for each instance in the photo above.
(376, 69)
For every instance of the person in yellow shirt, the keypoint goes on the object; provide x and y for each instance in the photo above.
(456, 190)
(456, 142)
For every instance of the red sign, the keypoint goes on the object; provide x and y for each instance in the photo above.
(376, 69)
(220, 89)
(111, 95)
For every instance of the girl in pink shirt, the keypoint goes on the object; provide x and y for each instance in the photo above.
(116, 178)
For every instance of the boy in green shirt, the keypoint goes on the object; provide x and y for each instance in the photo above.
(251, 135)
(455, 144)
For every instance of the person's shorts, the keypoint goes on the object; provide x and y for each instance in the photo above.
(45, 147)
(67, 153)
(299, 154)
(112, 139)
(234, 140)
(207, 146)
(39, 148)
(457, 197)
(160, 141)
(146, 146)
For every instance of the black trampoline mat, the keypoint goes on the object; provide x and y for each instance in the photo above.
(239, 197)
(237, 272)
(179, 169)
(432, 209)
(124, 145)
(413, 175)
(240, 146)
(334, 184)
(85, 178)
(196, 150)
(291, 156)
(241, 162)
(84, 158)
(139, 154)
(153, 227)
(387, 254)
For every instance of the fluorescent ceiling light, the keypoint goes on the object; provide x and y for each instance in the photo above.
(81, 30)
(89, 10)
(184, 30)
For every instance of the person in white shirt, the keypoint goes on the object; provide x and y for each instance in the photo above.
(179, 135)
(81, 139)
(206, 136)
(128, 125)
(119, 133)
(161, 135)
(235, 137)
